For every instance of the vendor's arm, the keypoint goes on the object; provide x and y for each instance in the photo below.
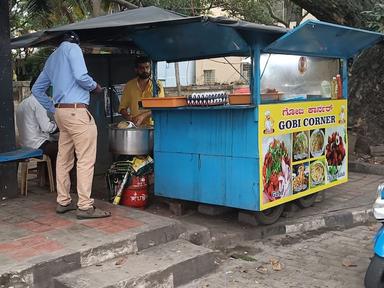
(125, 104)
(45, 124)
(142, 117)
(38, 90)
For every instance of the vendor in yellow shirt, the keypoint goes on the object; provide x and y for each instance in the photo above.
(136, 89)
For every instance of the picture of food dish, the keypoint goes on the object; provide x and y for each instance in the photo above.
(317, 173)
(335, 149)
(276, 169)
(300, 145)
(300, 177)
(317, 142)
(335, 153)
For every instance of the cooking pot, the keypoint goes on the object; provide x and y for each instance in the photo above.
(130, 141)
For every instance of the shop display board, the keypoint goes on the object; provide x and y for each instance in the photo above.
(302, 148)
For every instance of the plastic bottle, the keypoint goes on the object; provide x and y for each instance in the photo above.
(326, 89)
(339, 87)
(334, 88)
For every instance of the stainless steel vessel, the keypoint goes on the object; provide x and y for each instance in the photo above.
(130, 141)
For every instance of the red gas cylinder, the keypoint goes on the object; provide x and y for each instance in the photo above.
(136, 194)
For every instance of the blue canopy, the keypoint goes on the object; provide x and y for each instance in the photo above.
(169, 36)
(316, 38)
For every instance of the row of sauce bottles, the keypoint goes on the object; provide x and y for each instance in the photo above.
(333, 90)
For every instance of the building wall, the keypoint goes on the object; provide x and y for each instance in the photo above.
(224, 73)
(166, 73)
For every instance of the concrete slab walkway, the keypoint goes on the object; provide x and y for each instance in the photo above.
(36, 243)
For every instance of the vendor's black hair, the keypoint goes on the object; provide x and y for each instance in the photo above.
(71, 36)
(33, 80)
(141, 60)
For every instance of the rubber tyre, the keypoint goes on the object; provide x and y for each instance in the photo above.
(374, 277)
(306, 201)
(269, 216)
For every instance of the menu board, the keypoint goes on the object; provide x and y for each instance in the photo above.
(302, 148)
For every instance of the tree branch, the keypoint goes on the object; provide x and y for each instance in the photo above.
(347, 12)
(67, 14)
(273, 16)
(124, 3)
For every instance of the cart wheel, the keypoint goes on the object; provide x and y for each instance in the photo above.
(307, 201)
(269, 216)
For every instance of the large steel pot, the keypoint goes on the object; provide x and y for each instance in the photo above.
(130, 141)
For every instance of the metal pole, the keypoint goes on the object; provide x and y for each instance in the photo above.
(8, 172)
(345, 78)
(177, 74)
(154, 79)
(256, 75)
(109, 87)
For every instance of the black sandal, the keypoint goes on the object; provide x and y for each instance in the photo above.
(92, 213)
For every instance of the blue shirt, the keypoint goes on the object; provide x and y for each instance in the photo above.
(65, 70)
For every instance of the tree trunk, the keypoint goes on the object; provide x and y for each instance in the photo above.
(347, 12)
(365, 87)
(366, 93)
(96, 8)
(8, 172)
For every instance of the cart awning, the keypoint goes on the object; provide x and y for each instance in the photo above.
(168, 36)
(316, 38)
(162, 34)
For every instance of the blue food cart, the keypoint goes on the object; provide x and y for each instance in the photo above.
(288, 143)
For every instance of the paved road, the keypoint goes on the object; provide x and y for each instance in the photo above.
(334, 259)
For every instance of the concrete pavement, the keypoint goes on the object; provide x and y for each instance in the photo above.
(37, 245)
(343, 206)
(335, 259)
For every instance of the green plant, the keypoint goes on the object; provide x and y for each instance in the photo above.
(375, 17)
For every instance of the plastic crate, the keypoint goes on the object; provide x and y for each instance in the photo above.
(240, 99)
(164, 102)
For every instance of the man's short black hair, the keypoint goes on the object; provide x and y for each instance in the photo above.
(141, 60)
(71, 36)
(33, 80)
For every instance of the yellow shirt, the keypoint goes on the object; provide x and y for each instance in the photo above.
(132, 94)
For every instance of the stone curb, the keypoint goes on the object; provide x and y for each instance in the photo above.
(334, 220)
(366, 168)
(342, 219)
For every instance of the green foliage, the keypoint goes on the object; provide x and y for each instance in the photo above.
(375, 18)
(249, 10)
(186, 7)
(26, 68)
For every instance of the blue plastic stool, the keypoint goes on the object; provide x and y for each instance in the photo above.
(25, 156)
(20, 154)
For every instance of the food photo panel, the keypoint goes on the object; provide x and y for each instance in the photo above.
(317, 173)
(300, 145)
(276, 169)
(335, 152)
(317, 142)
(300, 177)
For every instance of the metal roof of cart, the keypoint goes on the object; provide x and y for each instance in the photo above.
(169, 36)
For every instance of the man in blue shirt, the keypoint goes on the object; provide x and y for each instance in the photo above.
(66, 72)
